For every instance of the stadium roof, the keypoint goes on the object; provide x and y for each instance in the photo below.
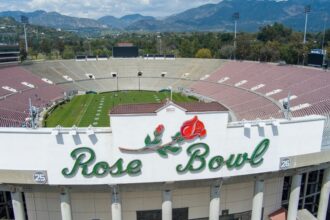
(155, 107)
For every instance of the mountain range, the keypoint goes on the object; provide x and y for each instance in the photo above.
(208, 17)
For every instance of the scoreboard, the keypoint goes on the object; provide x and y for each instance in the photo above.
(125, 52)
(316, 57)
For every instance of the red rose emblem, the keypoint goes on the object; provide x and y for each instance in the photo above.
(193, 128)
(160, 129)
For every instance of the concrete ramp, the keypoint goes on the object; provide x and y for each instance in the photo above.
(304, 214)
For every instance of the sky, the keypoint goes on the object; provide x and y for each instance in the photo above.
(98, 8)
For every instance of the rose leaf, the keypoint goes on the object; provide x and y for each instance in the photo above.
(176, 136)
(162, 152)
(156, 141)
(147, 140)
(173, 149)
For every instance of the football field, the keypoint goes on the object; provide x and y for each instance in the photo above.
(93, 109)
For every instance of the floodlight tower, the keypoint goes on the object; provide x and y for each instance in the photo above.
(324, 29)
(160, 42)
(323, 38)
(235, 18)
(307, 11)
(25, 21)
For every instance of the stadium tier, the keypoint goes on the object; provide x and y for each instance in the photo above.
(17, 87)
(250, 89)
(308, 89)
(235, 152)
(9, 54)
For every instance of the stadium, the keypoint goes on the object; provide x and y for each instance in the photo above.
(200, 139)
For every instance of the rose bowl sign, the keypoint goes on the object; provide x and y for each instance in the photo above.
(183, 143)
(192, 131)
(157, 143)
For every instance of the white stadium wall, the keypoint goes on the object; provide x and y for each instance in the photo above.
(38, 150)
(143, 154)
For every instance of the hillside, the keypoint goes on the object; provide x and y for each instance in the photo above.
(54, 19)
(125, 21)
(253, 14)
(209, 17)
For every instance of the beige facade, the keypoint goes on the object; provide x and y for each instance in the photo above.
(236, 198)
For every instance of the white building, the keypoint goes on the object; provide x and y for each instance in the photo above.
(164, 161)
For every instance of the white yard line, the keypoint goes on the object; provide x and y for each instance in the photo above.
(84, 112)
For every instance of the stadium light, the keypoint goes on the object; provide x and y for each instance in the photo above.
(115, 75)
(160, 42)
(323, 37)
(261, 124)
(235, 18)
(90, 130)
(307, 11)
(56, 131)
(139, 74)
(25, 21)
(73, 131)
(276, 123)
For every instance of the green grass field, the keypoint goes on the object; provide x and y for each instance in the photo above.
(93, 109)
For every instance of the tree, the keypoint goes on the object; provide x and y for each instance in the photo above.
(55, 54)
(97, 52)
(87, 47)
(243, 49)
(270, 52)
(68, 53)
(226, 37)
(33, 53)
(59, 45)
(255, 50)
(23, 55)
(46, 46)
(227, 51)
(203, 53)
(185, 48)
(273, 32)
(327, 38)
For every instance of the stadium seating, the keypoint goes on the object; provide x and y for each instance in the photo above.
(24, 86)
(250, 90)
(244, 104)
(125, 68)
(257, 90)
(310, 87)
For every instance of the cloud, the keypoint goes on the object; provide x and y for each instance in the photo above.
(145, 2)
(99, 8)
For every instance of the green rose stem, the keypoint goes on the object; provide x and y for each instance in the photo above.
(189, 130)
(148, 148)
